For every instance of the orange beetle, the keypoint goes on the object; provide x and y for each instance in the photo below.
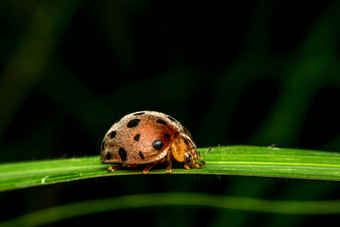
(148, 138)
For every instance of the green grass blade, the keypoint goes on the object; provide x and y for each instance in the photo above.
(233, 160)
(165, 199)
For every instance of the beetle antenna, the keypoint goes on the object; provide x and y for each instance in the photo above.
(206, 152)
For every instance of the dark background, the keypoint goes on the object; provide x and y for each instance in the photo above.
(242, 72)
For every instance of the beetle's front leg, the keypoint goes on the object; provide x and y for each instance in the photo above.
(169, 163)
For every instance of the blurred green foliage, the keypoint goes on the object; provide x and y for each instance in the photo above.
(174, 199)
(256, 72)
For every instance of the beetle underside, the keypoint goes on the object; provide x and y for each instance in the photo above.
(168, 159)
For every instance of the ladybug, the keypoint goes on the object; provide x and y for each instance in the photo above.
(148, 138)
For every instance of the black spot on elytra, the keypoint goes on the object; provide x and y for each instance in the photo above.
(102, 146)
(141, 155)
(113, 134)
(133, 123)
(160, 121)
(122, 154)
(108, 155)
(157, 144)
(172, 119)
(137, 137)
(140, 113)
(186, 140)
(167, 135)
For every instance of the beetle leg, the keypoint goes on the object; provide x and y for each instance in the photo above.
(114, 168)
(169, 163)
(148, 167)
